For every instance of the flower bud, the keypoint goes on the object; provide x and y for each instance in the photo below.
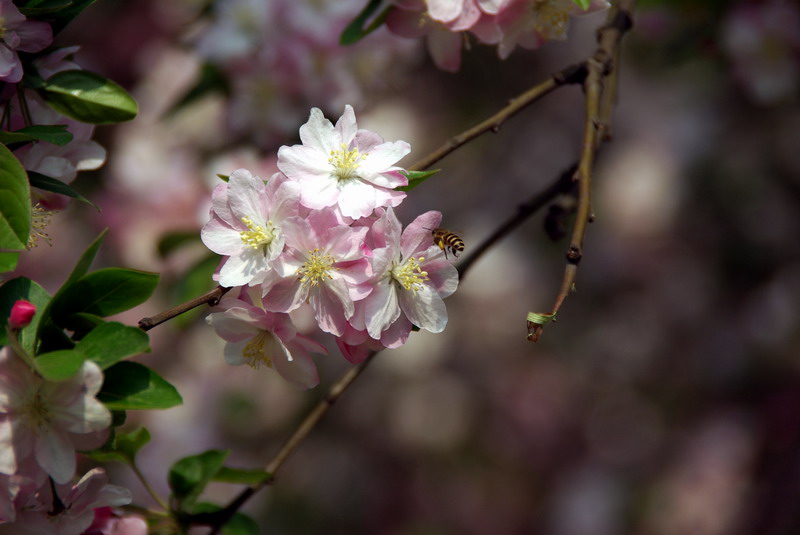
(21, 314)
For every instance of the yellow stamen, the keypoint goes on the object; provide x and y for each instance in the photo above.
(257, 236)
(40, 220)
(256, 350)
(317, 268)
(550, 17)
(410, 275)
(345, 163)
(36, 413)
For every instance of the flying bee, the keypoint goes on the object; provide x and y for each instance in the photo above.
(446, 239)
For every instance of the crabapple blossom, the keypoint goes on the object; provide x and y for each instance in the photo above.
(324, 264)
(74, 509)
(245, 225)
(343, 166)
(255, 336)
(19, 33)
(44, 421)
(410, 277)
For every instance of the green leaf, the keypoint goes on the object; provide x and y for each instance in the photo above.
(540, 319)
(415, 178)
(47, 183)
(111, 342)
(43, 8)
(189, 476)
(241, 476)
(583, 4)
(239, 524)
(211, 80)
(15, 203)
(355, 31)
(56, 134)
(8, 262)
(64, 16)
(85, 261)
(88, 97)
(224, 178)
(103, 293)
(59, 365)
(124, 447)
(132, 386)
(10, 292)
(173, 240)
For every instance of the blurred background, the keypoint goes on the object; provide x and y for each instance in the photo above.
(665, 400)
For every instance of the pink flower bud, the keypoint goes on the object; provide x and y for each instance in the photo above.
(21, 314)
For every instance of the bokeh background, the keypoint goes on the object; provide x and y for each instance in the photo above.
(665, 400)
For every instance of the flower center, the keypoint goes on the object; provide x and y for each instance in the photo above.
(410, 274)
(345, 163)
(317, 268)
(256, 351)
(36, 412)
(257, 236)
(550, 17)
(40, 220)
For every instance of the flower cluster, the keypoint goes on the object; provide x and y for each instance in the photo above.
(505, 23)
(322, 233)
(278, 55)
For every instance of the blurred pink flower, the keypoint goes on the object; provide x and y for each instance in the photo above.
(46, 420)
(245, 225)
(18, 33)
(107, 523)
(344, 167)
(324, 264)
(78, 503)
(255, 337)
(529, 23)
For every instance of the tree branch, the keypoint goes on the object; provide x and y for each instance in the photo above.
(211, 298)
(599, 106)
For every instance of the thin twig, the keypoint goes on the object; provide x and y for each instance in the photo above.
(211, 298)
(562, 184)
(599, 67)
(573, 74)
(148, 487)
(219, 518)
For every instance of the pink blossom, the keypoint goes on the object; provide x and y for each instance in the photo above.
(60, 162)
(245, 225)
(18, 33)
(324, 265)
(44, 420)
(344, 167)
(106, 522)
(22, 313)
(443, 43)
(410, 278)
(255, 337)
(74, 509)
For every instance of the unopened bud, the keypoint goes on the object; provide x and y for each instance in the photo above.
(21, 314)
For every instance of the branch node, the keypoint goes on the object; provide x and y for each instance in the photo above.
(574, 254)
(495, 128)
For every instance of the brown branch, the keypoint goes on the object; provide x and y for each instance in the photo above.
(573, 74)
(219, 518)
(599, 105)
(211, 298)
(562, 184)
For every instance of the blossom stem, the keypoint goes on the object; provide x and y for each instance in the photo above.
(149, 488)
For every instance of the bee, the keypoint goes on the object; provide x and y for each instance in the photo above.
(446, 239)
